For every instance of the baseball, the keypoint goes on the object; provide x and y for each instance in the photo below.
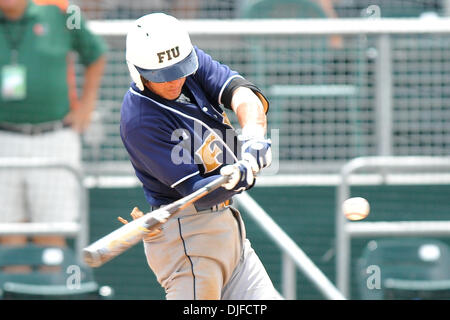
(356, 208)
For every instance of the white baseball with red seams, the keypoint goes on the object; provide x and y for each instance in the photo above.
(356, 208)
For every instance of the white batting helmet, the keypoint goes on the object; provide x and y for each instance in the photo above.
(159, 49)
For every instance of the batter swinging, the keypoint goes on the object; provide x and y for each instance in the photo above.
(179, 139)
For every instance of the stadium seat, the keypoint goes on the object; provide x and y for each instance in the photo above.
(409, 268)
(68, 279)
(262, 51)
(275, 9)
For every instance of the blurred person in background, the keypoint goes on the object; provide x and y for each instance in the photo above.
(116, 9)
(41, 114)
(336, 41)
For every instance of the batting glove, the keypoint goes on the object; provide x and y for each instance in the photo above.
(241, 176)
(258, 152)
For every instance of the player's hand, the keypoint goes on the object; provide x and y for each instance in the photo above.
(258, 152)
(241, 176)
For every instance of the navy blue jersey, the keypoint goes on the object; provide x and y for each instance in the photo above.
(170, 141)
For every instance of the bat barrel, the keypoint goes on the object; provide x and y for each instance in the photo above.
(91, 258)
(115, 243)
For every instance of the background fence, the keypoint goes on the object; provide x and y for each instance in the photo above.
(305, 212)
(364, 84)
(230, 9)
(383, 91)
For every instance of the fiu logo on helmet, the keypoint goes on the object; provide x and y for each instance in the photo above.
(208, 153)
(171, 53)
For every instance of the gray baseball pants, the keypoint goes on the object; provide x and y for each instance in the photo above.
(201, 255)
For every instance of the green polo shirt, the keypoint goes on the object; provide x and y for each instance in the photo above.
(44, 45)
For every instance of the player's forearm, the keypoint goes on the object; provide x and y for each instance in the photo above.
(250, 112)
(92, 80)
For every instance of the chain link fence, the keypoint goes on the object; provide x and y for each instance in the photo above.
(377, 93)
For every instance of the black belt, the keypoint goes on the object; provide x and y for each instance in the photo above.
(33, 129)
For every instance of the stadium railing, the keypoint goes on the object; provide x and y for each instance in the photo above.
(293, 256)
(388, 170)
(78, 230)
(400, 107)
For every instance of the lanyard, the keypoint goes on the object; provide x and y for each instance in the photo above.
(14, 39)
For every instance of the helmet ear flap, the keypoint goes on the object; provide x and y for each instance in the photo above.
(135, 76)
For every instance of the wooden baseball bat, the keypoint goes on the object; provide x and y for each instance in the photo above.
(120, 240)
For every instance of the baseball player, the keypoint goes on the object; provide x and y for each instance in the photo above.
(179, 139)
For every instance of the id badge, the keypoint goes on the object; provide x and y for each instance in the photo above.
(14, 82)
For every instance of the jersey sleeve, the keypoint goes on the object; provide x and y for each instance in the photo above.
(213, 76)
(88, 45)
(235, 83)
(219, 81)
(155, 151)
(211, 199)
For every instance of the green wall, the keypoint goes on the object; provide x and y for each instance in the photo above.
(305, 213)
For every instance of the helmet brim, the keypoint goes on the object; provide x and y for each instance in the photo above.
(181, 69)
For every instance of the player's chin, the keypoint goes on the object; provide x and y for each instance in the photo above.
(172, 95)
